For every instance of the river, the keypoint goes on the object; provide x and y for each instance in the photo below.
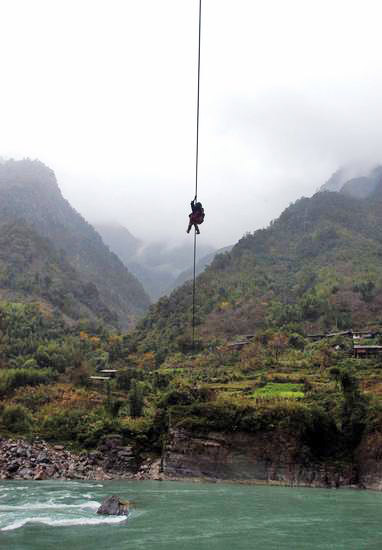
(62, 515)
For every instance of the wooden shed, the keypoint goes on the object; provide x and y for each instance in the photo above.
(366, 351)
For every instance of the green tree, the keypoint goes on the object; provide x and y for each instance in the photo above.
(366, 289)
(16, 419)
(135, 398)
(354, 408)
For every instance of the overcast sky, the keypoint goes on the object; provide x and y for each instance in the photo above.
(104, 92)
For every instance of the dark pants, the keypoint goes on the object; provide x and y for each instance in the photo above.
(195, 225)
(195, 219)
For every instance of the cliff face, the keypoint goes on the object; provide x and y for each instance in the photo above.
(274, 458)
(369, 459)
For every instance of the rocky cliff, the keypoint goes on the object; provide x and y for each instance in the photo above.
(267, 457)
(276, 458)
(369, 461)
(20, 459)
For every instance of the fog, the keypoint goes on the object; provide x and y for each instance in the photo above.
(104, 92)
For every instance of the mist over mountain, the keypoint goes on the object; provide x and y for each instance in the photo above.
(155, 264)
(119, 239)
(317, 267)
(29, 194)
(201, 265)
(356, 181)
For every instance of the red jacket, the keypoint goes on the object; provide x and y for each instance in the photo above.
(197, 217)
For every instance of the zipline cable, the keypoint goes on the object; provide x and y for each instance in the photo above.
(197, 105)
(196, 177)
(193, 295)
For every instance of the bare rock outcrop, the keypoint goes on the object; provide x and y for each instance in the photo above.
(275, 457)
(38, 460)
(113, 506)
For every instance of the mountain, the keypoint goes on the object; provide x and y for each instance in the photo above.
(128, 249)
(339, 177)
(356, 182)
(201, 265)
(360, 187)
(119, 239)
(31, 269)
(156, 265)
(317, 267)
(29, 194)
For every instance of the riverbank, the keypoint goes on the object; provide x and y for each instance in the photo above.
(37, 460)
(253, 459)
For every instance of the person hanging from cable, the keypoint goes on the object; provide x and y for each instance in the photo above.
(196, 216)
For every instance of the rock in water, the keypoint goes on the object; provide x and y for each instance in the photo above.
(113, 506)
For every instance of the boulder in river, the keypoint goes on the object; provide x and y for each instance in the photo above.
(113, 506)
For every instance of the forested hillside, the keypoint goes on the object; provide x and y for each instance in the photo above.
(318, 266)
(29, 194)
(32, 270)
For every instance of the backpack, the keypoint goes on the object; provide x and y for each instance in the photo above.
(198, 216)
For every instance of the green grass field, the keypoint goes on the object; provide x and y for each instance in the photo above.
(280, 390)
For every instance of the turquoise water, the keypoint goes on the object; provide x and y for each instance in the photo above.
(184, 516)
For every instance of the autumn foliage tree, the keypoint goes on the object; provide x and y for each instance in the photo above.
(278, 343)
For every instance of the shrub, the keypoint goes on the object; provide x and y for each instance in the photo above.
(136, 401)
(16, 419)
(80, 374)
(10, 379)
(186, 395)
(77, 426)
(161, 379)
(32, 397)
(53, 355)
(30, 364)
(296, 341)
(125, 377)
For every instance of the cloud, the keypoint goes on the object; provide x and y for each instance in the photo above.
(105, 93)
